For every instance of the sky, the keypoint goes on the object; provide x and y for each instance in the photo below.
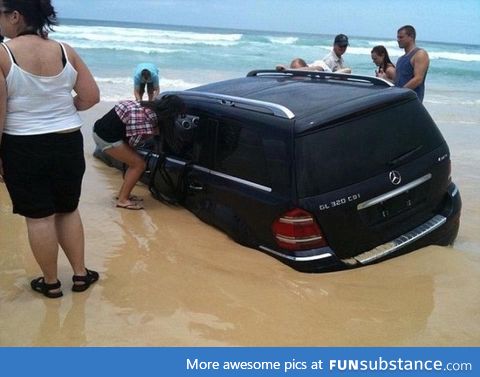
(454, 21)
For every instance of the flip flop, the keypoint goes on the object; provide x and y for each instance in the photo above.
(133, 198)
(132, 206)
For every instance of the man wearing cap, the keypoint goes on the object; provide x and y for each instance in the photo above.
(334, 59)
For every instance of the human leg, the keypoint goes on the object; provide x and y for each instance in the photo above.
(27, 171)
(141, 91)
(150, 92)
(44, 244)
(136, 167)
(71, 238)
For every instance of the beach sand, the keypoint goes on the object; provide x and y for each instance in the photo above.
(167, 279)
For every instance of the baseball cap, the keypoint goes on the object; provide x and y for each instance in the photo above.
(341, 40)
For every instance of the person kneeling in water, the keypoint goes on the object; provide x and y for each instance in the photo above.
(126, 126)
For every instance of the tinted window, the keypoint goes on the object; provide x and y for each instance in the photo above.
(240, 152)
(360, 148)
(203, 142)
(178, 135)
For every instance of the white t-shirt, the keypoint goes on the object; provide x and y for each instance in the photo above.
(320, 63)
(334, 62)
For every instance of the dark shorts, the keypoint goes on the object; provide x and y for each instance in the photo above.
(43, 173)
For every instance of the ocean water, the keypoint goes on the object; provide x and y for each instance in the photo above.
(191, 56)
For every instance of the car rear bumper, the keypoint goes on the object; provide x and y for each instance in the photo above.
(440, 229)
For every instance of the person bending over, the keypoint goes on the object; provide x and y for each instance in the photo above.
(126, 126)
(146, 75)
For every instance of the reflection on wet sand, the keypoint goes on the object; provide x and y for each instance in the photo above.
(167, 279)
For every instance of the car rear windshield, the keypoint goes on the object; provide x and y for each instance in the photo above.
(351, 151)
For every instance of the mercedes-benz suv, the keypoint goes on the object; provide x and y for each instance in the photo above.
(320, 170)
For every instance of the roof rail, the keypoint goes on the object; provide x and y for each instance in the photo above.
(238, 102)
(320, 75)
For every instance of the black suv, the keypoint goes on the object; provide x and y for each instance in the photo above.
(323, 171)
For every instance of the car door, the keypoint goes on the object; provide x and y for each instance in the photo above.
(195, 181)
(229, 184)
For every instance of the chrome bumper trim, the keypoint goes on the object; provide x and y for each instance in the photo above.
(399, 242)
(296, 259)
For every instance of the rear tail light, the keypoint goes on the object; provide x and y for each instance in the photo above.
(298, 230)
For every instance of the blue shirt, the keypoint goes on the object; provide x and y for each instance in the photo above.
(138, 79)
(404, 73)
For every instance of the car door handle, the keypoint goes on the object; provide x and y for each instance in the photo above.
(195, 187)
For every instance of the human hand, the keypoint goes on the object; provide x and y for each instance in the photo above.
(380, 73)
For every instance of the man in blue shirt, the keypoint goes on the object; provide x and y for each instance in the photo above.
(411, 68)
(146, 74)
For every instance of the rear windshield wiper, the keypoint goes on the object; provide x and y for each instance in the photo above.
(397, 160)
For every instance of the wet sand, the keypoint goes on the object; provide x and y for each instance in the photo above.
(167, 279)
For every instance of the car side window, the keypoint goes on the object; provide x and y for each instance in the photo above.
(203, 142)
(179, 135)
(240, 152)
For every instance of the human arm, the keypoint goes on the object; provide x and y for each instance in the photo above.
(313, 68)
(136, 93)
(133, 141)
(420, 62)
(388, 74)
(156, 85)
(344, 70)
(319, 65)
(138, 140)
(86, 89)
(156, 91)
(3, 106)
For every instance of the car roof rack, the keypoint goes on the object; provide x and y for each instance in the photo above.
(238, 102)
(321, 75)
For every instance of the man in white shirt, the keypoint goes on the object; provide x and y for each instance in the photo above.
(334, 60)
(319, 65)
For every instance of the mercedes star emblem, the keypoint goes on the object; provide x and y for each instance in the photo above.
(395, 177)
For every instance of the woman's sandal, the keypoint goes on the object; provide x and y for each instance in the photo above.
(81, 283)
(133, 198)
(133, 206)
(39, 285)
